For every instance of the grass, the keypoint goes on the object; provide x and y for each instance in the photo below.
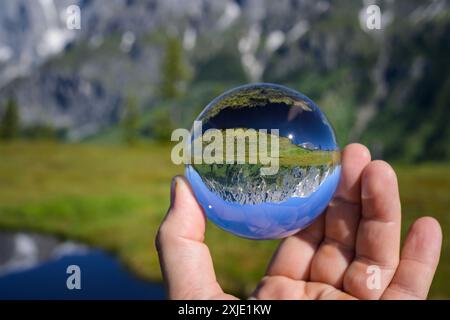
(114, 198)
(255, 147)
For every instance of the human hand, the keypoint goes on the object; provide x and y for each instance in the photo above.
(327, 260)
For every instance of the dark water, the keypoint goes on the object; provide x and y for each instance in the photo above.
(101, 277)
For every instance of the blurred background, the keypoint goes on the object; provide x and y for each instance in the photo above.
(86, 113)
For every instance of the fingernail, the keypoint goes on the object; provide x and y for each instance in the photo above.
(365, 191)
(175, 185)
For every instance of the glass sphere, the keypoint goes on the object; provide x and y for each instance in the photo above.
(267, 161)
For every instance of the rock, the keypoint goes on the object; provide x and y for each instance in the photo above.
(244, 185)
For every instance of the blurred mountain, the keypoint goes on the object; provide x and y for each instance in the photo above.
(30, 32)
(389, 88)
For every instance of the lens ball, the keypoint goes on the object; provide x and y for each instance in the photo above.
(264, 161)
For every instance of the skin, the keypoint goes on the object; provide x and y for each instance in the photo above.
(329, 259)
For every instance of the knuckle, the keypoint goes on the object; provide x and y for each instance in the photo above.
(274, 287)
(162, 236)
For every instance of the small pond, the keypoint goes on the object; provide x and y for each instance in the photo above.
(34, 266)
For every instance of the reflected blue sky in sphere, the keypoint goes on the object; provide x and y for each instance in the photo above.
(267, 220)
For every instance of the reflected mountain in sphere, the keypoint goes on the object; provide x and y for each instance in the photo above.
(275, 164)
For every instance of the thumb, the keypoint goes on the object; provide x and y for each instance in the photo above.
(185, 260)
(185, 216)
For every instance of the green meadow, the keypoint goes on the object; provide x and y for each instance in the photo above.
(114, 197)
(255, 147)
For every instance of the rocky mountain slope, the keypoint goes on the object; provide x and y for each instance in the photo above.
(388, 88)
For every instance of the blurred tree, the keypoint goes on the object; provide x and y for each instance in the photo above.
(175, 71)
(41, 131)
(222, 67)
(9, 125)
(130, 121)
(161, 125)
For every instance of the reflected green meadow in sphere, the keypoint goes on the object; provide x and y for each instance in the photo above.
(259, 195)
